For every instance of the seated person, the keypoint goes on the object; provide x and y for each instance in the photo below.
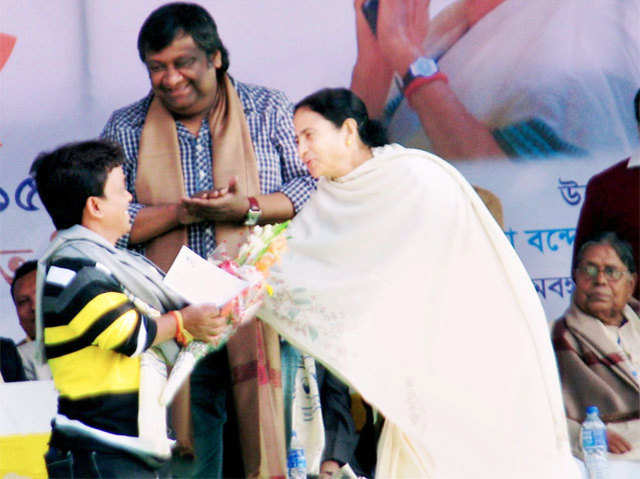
(606, 210)
(340, 435)
(10, 365)
(344, 444)
(597, 345)
(23, 293)
(100, 309)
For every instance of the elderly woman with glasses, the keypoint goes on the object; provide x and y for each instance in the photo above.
(597, 344)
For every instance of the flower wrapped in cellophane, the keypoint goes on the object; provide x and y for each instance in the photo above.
(263, 248)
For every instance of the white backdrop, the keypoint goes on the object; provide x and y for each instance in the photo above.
(75, 61)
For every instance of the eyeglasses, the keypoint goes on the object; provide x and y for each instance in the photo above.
(592, 271)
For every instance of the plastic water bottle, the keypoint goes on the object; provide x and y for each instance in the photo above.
(296, 462)
(594, 444)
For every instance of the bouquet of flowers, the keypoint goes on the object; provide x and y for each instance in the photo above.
(263, 249)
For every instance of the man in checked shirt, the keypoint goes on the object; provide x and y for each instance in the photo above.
(206, 155)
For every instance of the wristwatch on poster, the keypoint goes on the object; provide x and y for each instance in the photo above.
(254, 213)
(422, 71)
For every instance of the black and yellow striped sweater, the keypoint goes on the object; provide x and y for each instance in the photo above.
(93, 337)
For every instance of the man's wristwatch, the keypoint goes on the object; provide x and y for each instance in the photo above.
(254, 213)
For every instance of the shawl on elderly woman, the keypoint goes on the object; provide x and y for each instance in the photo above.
(595, 370)
(401, 283)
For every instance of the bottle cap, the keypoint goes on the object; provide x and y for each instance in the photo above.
(593, 410)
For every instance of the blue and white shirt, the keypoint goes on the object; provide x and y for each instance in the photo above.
(269, 116)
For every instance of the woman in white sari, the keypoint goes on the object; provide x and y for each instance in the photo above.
(400, 282)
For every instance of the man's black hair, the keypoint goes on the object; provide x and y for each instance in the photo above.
(170, 21)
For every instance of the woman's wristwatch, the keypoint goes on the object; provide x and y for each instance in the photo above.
(422, 71)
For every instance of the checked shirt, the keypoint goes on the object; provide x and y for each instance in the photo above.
(269, 116)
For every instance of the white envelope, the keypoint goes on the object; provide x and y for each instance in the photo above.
(199, 281)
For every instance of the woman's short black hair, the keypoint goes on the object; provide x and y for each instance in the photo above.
(338, 104)
(166, 23)
(68, 175)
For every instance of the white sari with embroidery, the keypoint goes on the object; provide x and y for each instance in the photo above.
(399, 280)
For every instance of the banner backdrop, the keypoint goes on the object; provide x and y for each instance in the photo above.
(66, 65)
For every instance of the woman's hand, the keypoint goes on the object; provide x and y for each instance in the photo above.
(407, 31)
(369, 54)
(617, 443)
(403, 26)
(371, 76)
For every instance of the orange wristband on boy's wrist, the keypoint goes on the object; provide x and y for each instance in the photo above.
(183, 336)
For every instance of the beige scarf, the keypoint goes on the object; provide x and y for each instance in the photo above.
(254, 351)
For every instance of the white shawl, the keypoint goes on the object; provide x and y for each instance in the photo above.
(399, 280)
